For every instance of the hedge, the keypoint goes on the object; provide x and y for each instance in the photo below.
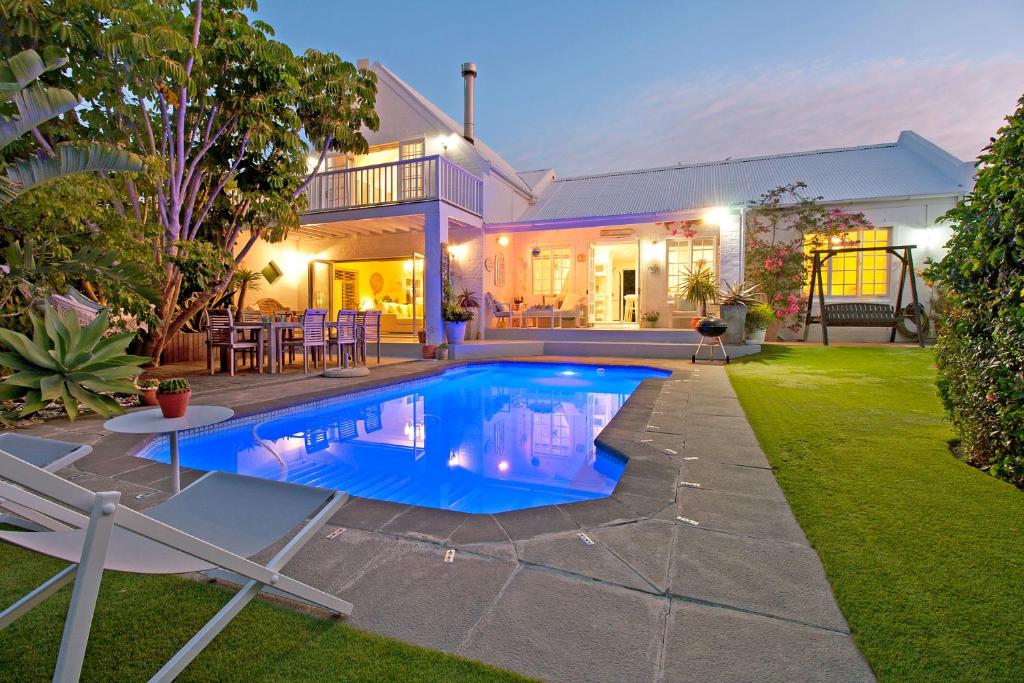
(980, 347)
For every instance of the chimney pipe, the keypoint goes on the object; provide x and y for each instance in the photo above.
(469, 75)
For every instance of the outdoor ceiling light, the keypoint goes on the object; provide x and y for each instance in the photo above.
(503, 241)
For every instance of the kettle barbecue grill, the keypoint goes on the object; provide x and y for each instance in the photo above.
(711, 330)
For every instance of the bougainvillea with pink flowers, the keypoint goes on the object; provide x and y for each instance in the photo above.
(778, 227)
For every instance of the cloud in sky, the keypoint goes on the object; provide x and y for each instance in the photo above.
(956, 104)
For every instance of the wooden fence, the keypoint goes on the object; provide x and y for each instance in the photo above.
(185, 347)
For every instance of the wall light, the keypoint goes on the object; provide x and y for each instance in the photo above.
(716, 216)
(503, 241)
(457, 251)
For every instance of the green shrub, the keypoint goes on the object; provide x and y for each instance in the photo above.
(174, 385)
(980, 347)
(68, 363)
(759, 317)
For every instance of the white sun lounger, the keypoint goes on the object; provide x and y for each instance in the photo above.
(217, 522)
(48, 454)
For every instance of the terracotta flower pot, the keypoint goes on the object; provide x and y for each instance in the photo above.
(422, 336)
(148, 396)
(174, 405)
(429, 351)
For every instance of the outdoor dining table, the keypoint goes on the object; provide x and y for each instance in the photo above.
(275, 334)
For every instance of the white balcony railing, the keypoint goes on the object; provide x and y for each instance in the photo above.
(399, 182)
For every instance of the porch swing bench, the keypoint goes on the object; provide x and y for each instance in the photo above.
(859, 315)
(863, 314)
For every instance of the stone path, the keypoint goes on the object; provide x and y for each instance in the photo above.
(697, 570)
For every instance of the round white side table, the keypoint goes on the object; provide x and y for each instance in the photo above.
(153, 422)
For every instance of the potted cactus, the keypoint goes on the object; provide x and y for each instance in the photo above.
(173, 395)
(147, 391)
(442, 352)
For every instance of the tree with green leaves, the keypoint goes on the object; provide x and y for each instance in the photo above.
(980, 348)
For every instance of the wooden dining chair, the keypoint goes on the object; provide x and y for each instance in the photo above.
(313, 340)
(346, 336)
(369, 332)
(223, 333)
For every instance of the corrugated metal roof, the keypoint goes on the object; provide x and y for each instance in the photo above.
(910, 166)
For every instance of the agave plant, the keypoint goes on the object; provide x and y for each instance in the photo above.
(68, 363)
(37, 104)
(739, 294)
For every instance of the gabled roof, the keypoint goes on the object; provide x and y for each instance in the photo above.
(911, 166)
(446, 122)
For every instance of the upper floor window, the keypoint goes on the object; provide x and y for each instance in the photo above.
(856, 273)
(685, 255)
(551, 267)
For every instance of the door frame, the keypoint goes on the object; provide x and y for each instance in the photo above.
(417, 266)
(635, 242)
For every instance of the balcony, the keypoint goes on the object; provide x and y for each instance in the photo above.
(400, 182)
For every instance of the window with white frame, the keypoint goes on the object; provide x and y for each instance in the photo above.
(855, 273)
(551, 267)
(411, 177)
(685, 255)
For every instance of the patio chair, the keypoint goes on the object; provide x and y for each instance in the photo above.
(500, 312)
(269, 306)
(347, 335)
(369, 332)
(313, 340)
(222, 332)
(47, 454)
(217, 522)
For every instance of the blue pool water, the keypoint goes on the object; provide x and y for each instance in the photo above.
(484, 438)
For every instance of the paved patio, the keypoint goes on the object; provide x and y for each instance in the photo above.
(697, 572)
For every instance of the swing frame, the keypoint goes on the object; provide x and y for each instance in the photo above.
(904, 253)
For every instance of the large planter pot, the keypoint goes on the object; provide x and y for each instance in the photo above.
(455, 332)
(756, 337)
(174, 405)
(148, 397)
(735, 316)
(772, 333)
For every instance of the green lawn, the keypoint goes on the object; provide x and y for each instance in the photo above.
(141, 621)
(925, 554)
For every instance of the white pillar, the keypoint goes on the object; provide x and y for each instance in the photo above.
(435, 232)
(730, 249)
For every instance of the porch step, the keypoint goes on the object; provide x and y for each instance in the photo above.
(639, 349)
(476, 350)
(591, 334)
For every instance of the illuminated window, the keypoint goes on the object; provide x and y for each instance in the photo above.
(687, 254)
(411, 178)
(856, 273)
(551, 269)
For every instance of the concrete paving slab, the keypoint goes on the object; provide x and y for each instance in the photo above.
(711, 644)
(739, 479)
(740, 514)
(328, 563)
(410, 593)
(597, 633)
(645, 546)
(765, 576)
(569, 553)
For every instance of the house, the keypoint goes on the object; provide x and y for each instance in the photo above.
(591, 252)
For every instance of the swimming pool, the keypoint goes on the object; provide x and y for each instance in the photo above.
(483, 438)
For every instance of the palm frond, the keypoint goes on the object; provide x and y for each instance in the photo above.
(71, 158)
